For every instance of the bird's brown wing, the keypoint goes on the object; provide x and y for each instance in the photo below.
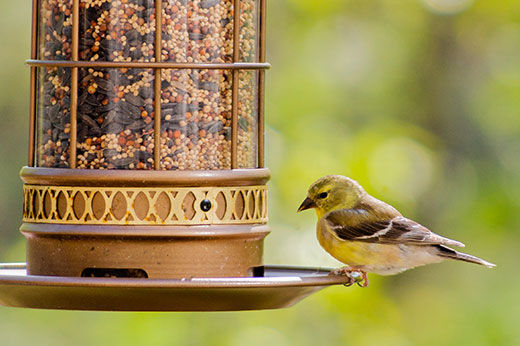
(352, 225)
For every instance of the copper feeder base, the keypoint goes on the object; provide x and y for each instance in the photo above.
(279, 287)
(155, 252)
(157, 224)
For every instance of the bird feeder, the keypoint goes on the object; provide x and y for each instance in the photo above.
(146, 157)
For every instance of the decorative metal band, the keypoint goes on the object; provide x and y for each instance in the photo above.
(145, 206)
(144, 65)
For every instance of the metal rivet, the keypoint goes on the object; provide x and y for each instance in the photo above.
(205, 205)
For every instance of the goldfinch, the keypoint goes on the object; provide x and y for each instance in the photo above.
(369, 235)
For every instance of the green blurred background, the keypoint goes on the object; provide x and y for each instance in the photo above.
(417, 100)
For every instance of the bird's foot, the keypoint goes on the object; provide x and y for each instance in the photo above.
(355, 276)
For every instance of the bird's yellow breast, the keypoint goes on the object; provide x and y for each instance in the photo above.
(359, 254)
(383, 259)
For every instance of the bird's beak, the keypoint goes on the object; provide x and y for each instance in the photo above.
(307, 204)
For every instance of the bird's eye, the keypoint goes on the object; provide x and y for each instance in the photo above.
(323, 195)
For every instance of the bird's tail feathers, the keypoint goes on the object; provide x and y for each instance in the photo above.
(446, 252)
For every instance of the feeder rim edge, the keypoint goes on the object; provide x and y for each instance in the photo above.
(141, 178)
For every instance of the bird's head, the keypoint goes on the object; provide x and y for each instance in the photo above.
(332, 192)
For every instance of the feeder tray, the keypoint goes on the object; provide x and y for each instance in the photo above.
(279, 287)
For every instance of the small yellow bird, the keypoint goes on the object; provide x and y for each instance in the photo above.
(369, 235)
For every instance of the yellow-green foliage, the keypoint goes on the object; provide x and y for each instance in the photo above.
(418, 102)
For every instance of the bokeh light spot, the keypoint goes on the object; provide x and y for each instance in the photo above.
(401, 166)
(260, 335)
(447, 6)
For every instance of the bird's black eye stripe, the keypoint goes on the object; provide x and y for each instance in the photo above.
(323, 195)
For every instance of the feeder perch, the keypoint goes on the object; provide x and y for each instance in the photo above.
(146, 187)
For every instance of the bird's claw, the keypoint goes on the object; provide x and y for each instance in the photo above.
(355, 276)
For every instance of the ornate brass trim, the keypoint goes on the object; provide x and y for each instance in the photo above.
(145, 206)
